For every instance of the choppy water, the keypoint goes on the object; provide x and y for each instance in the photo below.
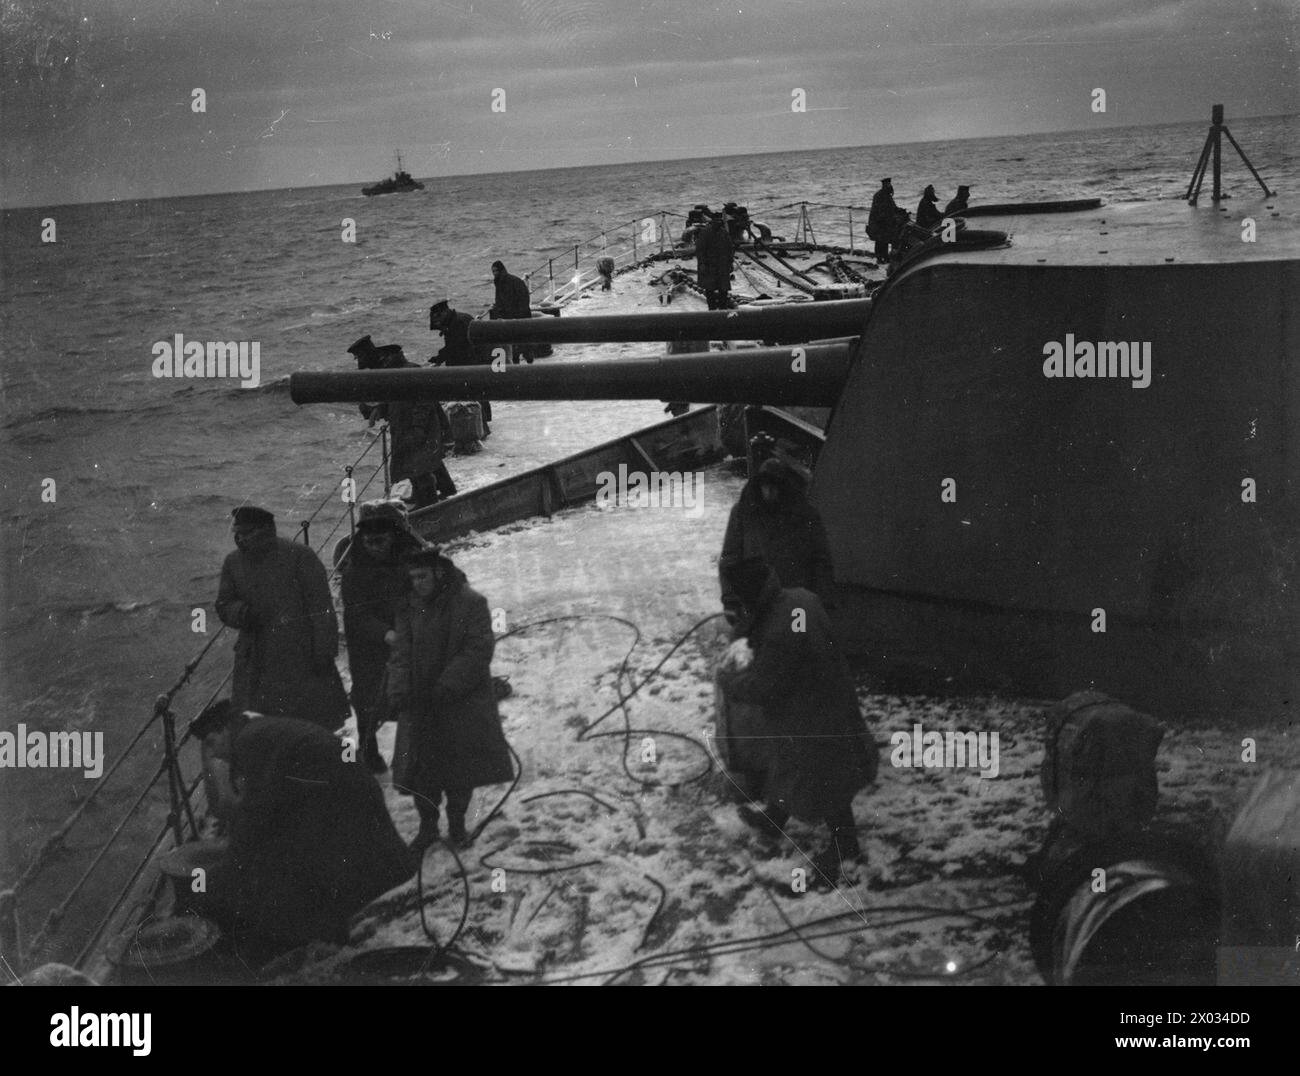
(99, 585)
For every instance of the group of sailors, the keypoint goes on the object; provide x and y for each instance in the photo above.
(310, 838)
(716, 234)
(422, 433)
(887, 223)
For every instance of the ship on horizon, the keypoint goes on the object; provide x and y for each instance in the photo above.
(398, 183)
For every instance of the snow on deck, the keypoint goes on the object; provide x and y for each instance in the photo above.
(942, 889)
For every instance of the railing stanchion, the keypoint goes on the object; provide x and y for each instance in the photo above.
(383, 438)
(352, 504)
(175, 782)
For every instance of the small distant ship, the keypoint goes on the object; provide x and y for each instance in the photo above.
(399, 183)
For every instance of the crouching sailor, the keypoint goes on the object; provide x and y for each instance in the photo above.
(820, 752)
(311, 842)
(449, 737)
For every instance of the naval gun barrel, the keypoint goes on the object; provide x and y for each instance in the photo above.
(785, 321)
(810, 375)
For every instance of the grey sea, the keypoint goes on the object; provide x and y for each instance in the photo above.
(100, 582)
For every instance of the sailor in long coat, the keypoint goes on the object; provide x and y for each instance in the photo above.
(821, 753)
(449, 737)
(513, 300)
(277, 594)
(713, 262)
(885, 220)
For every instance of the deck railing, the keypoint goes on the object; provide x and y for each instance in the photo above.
(16, 953)
(573, 269)
(627, 243)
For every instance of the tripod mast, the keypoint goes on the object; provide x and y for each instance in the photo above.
(1214, 148)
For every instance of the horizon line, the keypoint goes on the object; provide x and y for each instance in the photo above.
(619, 164)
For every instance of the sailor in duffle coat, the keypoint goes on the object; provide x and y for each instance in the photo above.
(820, 754)
(449, 737)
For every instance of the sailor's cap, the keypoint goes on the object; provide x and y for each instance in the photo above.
(246, 515)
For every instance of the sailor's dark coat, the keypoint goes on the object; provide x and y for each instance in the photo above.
(713, 258)
(311, 841)
(280, 601)
(512, 297)
(440, 683)
(821, 753)
(788, 536)
(417, 428)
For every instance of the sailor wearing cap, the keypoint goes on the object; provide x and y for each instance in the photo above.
(419, 429)
(456, 348)
(885, 220)
(927, 209)
(959, 204)
(276, 594)
(713, 261)
(311, 841)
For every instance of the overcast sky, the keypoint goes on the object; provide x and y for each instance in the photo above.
(97, 94)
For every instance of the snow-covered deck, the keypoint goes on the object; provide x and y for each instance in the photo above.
(942, 889)
(664, 877)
